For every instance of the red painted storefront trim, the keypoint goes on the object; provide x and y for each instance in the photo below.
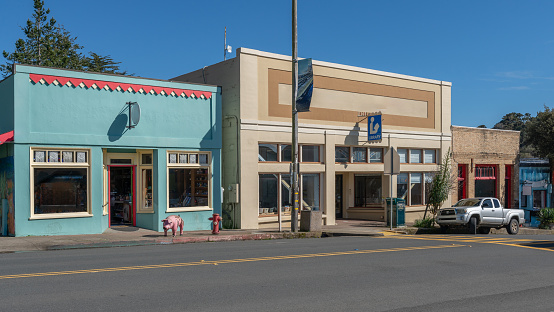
(113, 85)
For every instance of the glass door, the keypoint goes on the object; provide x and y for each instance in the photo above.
(122, 203)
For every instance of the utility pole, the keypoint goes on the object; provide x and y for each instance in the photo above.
(295, 174)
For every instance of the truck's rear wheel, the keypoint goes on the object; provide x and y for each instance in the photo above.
(513, 227)
(473, 225)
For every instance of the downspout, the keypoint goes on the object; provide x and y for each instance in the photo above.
(237, 179)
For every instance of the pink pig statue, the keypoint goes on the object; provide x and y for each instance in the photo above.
(173, 222)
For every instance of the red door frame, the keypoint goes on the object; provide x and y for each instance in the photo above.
(462, 179)
(508, 185)
(133, 192)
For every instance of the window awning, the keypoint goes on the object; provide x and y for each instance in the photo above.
(6, 137)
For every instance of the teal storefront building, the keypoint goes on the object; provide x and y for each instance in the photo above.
(81, 152)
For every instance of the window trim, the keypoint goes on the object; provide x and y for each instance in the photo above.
(139, 180)
(187, 165)
(43, 165)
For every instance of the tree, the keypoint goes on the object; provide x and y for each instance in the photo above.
(540, 134)
(440, 187)
(49, 44)
(518, 122)
(513, 121)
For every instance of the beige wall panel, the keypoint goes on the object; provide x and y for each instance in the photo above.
(329, 99)
(248, 91)
(446, 109)
(249, 180)
(345, 117)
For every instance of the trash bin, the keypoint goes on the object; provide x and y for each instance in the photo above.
(398, 212)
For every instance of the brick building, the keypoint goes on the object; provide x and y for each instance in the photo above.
(487, 163)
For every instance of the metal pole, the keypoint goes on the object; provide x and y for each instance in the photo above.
(225, 45)
(390, 177)
(295, 174)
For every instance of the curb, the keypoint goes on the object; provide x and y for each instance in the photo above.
(339, 234)
(187, 240)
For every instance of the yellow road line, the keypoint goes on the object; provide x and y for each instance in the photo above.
(217, 262)
(483, 240)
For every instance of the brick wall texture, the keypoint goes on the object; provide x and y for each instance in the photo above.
(480, 146)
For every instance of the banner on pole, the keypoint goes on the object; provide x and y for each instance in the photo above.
(305, 85)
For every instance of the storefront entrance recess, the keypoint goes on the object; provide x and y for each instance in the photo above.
(122, 197)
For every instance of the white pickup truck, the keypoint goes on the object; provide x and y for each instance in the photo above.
(480, 214)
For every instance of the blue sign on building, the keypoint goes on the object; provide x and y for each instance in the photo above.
(374, 128)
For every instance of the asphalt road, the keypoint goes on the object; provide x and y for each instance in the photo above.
(399, 273)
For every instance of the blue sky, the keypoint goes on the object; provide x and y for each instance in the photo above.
(497, 54)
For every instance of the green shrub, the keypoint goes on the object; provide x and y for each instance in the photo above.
(424, 223)
(546, 216)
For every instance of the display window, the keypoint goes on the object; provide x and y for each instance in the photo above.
(274, 190)
(145, 172)
(188, 181)
(60, 183)
(368, 190)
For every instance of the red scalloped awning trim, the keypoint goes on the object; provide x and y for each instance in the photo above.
(113, 85)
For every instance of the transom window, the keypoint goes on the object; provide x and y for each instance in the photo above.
(270, 152)
(358, 154)
(417, 156)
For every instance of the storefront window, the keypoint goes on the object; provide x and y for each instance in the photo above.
(367, 190)
(286, 199)
(267, 193)
(310, 191)
(147, 188)
(376, 155)
(60, 190)
(310, 153)
(342, 154)
(359, 154)
(416, 189)
(402, 186)
(267, 152)
(188, 181)
(60, 181)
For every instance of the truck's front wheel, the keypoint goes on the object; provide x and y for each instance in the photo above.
(473, 225)
(513, 227)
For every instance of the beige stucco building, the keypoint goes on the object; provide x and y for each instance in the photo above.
(342, 174)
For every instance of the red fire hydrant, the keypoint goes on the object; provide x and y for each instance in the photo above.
(215, 223)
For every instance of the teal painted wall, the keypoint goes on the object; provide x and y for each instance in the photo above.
(6, 105)
(62, 116)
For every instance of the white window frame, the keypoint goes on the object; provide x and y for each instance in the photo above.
(44, 165)
(196, 165)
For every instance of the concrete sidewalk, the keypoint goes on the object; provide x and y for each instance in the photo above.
(120, 236)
